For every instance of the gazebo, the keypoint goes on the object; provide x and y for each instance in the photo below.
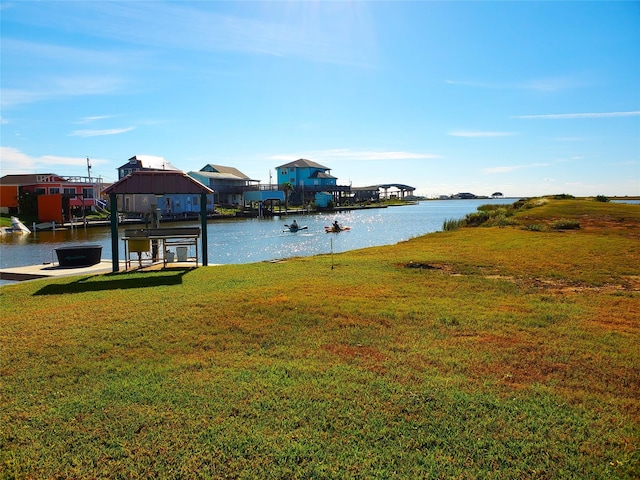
(156, 182)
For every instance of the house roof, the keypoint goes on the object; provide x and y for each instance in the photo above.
(318, 174)
(211, 168)
(157, 182)
(219, 176)
(303, 163)
(221, 172)
(151, 162)
(27, 178)
(399, 186)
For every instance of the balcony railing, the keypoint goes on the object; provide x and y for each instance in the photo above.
(88, 180)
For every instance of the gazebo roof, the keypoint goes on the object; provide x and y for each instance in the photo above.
(157, 182)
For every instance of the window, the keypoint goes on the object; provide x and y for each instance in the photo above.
(69, 191)
(53, 190)
(39, 191)
(87, 192)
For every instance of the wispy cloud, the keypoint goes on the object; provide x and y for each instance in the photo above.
(511, 168)
(355, 155)
(60, 87)
(16, 162)
(96, 118)
(342, 35)
(548, 84)
(98, 133)
(556, 116)
(480, 134)
(62, 70)
(570, 139)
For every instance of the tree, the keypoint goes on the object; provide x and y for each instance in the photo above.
(288, 188)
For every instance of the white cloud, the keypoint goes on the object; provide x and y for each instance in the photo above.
(13, 96)
(93, 119)
(549, 84)
(15, 162)
(554, 116)
(511, 168)
(472, 134)
(342, 35)
(570, 139)
(98, 133)
(355, 155)
(46, 52)
(60, 87)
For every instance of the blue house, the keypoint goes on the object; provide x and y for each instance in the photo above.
(228, 183)
(307, 178)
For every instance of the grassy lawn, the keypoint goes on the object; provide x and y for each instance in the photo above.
(488, 352)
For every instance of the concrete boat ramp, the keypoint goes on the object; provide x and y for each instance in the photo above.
(52, 270)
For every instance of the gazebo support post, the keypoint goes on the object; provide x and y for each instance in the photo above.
(203, 223)
(115, 262)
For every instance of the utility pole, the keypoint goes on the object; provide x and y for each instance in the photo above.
(89, 169)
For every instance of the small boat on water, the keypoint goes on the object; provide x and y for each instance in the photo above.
(336, 229)
(16, 227)
(294, 228)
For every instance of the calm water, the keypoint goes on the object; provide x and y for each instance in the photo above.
(255, 240)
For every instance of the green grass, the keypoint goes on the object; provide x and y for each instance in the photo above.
(476, 353)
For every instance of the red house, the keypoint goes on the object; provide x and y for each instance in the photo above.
(58, 198)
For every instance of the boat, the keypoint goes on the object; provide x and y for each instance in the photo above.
(294, 228)
(16, 227)
(333, 229)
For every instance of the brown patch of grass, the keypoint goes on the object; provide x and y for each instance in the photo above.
(593, 217)
(368, 357)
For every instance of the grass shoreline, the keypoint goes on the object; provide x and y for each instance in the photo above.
(489, 352)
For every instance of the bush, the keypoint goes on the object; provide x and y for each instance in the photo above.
(491, 207)
(451, 224)
(563, 224)
(527, 203)
(476, 219)
(536, 227)
(601, 198)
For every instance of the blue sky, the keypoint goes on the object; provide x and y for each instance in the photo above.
(525, 98)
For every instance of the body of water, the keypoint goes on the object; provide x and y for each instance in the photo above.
(234, 241)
